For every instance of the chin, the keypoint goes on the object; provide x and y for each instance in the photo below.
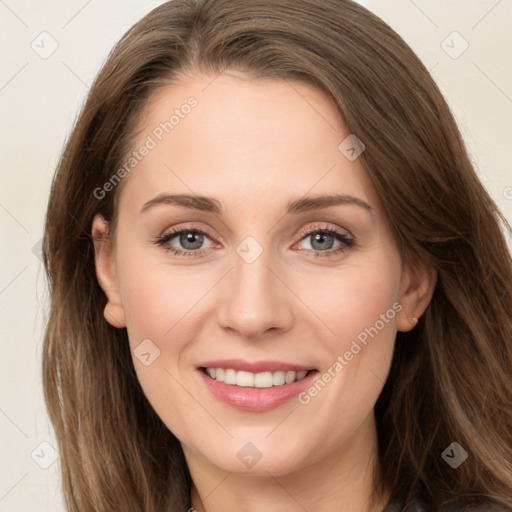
(256, 458)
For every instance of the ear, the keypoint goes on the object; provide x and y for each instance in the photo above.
(106, 272)
(417, 287)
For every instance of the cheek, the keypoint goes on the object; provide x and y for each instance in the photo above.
(160, 318)
(158, 301)
(361, 309)
(358, 303)
(164, 310)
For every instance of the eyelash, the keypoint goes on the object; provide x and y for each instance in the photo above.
(347, 241)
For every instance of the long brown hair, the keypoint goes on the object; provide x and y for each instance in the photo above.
(451, 377)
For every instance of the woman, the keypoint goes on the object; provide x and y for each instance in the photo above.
(205, 350)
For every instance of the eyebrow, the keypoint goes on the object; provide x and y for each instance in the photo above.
(211, 205)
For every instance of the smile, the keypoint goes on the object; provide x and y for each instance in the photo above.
(255, 386)
(255, 380)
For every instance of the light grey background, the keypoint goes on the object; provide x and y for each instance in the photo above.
(40, 95)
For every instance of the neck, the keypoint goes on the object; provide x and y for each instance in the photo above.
(345, 480)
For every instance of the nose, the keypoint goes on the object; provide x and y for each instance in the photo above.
(255, 300)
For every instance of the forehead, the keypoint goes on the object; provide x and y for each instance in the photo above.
(239, 138)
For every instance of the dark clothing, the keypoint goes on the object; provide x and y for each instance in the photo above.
(396, 506)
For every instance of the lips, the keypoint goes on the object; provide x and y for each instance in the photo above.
(255, 386)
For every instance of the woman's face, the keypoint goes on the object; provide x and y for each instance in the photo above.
(269, 282)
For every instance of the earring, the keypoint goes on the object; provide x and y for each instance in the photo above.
(415, 320)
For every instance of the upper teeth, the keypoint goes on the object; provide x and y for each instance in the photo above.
(254, 380)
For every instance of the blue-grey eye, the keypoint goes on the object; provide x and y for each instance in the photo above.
(322, 241)
(190, 240)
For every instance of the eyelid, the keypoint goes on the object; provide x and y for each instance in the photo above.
(176, 230)
(321, 227)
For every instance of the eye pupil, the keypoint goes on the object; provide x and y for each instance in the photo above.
(320, 237)
(196, 239)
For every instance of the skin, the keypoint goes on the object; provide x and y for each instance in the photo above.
(254, 145)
